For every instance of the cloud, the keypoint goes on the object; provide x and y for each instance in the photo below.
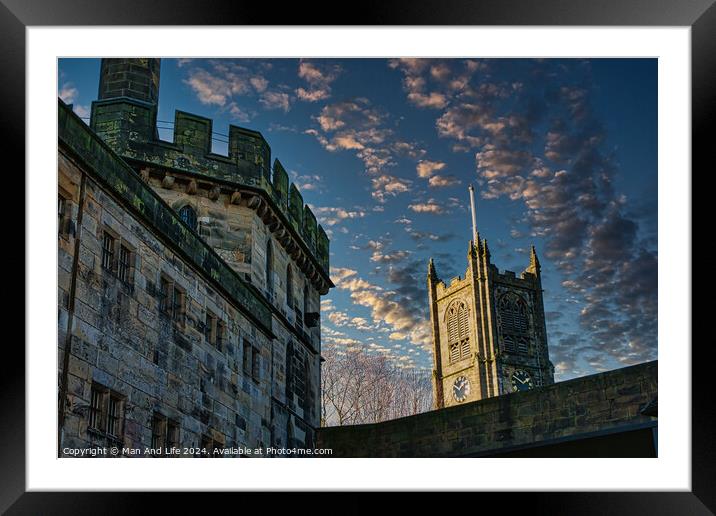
(355, 125)
(443, 181)
(388, 186)
(431, 100)
(312, 95)
(69, 95)
(331, 215)
(427, 168)
(227, 83)
(276, 100)
(388, 308)
(431, 206)
(319, 79)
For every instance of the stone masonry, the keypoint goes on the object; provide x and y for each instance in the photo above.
(605, 403)
(189, 283)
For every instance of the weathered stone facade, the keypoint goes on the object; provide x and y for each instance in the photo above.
(189, 283)
(489, 335)
(615, 407)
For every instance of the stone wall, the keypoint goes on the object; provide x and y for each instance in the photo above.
(587, 406)
(114, 335)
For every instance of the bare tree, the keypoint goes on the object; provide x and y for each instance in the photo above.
(362, 387)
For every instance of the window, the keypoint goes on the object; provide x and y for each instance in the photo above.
(220, 335)
(247, 357)
(210, 334)
(165, 287)
(62, 215)
(255, 364)
(165, 433)
(515, 344)
(172, 300)
(95, 409)
(108, 252)
(513, 314)
(188, 215)
(305, 298)
(126, 266)
(105, 412)
(209, 445)
(458, 330)
(178, 305)
(289, 286)
(172, 434)
(113, 415)
(269, 269)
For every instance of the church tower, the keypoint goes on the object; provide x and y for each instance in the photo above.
(489, 333)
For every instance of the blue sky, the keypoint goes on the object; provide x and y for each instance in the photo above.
(562, 152)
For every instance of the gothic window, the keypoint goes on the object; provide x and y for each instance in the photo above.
(513, 314)
(458, 329)
(188, 215)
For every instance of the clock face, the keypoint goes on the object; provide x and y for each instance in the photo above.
(521, 381)
(461, 388)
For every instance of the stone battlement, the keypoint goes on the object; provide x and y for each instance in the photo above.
(128, 126)
(130, 190)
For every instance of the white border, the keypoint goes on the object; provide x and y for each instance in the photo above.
(670, 471)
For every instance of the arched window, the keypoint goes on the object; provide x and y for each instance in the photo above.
(458, 330)
(188, 215)
(289, 286)
(269, 268)
(513, 315)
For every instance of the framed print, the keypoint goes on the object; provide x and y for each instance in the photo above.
(407, 254)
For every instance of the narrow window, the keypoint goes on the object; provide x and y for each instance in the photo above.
(113, 418)
(210, 328)
(269, 269)
(158, 424)
(247, 357)
(305, 300)
(108, 252)
(207, 446)
(220, 335)
(179, 305)
(125, 264)
(289, 286)
(165, 291)
(188, 215)
(255, 364)
(172, 434)
(95, 409)
(62, 208)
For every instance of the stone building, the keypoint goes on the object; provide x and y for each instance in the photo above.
(189, 282)
(489, 334)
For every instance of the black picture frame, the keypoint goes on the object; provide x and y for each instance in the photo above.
(16, 15)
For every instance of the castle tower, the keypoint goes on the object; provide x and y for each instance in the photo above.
(489, 333)
(244, 208)
(127, 103)
(133, 78)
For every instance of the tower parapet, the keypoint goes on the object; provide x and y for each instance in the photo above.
(125, 118)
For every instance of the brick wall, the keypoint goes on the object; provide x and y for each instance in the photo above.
(584, 406)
